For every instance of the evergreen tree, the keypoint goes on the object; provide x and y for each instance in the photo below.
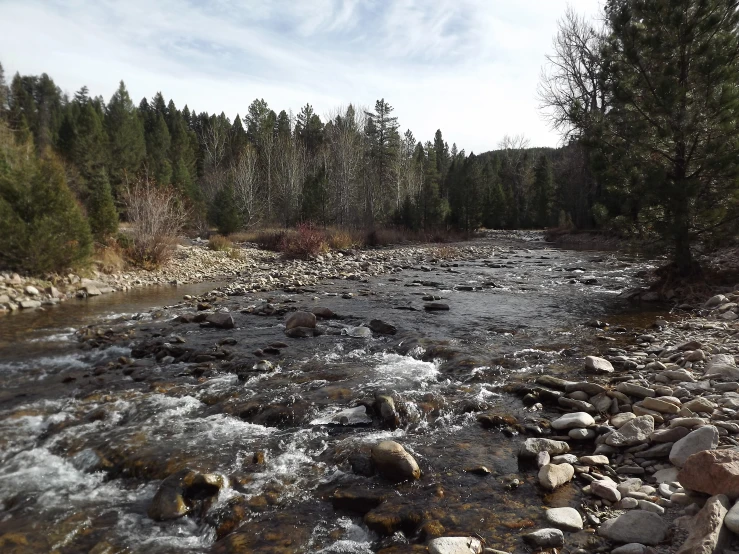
(101, 210)
(670, 136)
(543, 192)
(434, 209)
(224, 213)
(127, 144)
(158, 143)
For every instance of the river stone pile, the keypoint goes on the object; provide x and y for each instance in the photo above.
(663, 418)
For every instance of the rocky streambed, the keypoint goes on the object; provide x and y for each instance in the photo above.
(500, 396)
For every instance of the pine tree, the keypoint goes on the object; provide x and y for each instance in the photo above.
(671, 133)
(543, 192)
(158, 143)
(127, 144)
(101, 210)
(224, 213)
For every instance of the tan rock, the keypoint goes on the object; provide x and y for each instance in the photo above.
(708, 534)
(394, 462)
(712, 472)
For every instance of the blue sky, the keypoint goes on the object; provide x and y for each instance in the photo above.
(469, 67)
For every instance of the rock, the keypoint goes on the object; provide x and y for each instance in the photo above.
(632, 389)
(708, 534)
(636, 431)
(380, 327)
(33, 291)
(668, 475)
(606, 489)
(300, 332)
(732, 519)
(700, 405)
(633, 548)
(567, 519)
(300, 319)
(222, 321)
(722, 367)
(661, 406)
(715, 301)
(619, 420)
(703, 438)
(545, 538)
(349, 416)
(385, 406)
(455, 545)
(648, 506)
(552, 476)
(597, 365)
(598, 460)
(92, 290)
(627, 503)
(635, 526)
(581, 434)
(436, 307)
(673, 434)
(394, 462)
(323, 312)
(542, 458)
(576, 420)
(712, 472)
(532, 446)
(30, 304)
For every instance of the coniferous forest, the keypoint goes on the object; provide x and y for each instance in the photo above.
(646, 100)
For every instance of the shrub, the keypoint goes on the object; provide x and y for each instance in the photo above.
(156, 216)
(305, 243)
(109, 258)
(42, 228)
(340, 239)
(219, 243)
(270, 239)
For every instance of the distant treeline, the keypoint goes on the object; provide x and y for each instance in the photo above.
(354, 168)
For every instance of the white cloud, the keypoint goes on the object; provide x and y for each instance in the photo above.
(469, 67)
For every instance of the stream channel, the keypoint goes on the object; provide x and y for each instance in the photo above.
(93, 416)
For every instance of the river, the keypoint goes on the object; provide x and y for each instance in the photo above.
(87, 433)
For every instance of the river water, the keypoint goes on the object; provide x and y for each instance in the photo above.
(86, 437)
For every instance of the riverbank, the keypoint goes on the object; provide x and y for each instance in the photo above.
(246, 418)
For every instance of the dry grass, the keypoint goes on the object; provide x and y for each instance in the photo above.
(109, 259)
(219, 243)
(305, 242)
(444, 252)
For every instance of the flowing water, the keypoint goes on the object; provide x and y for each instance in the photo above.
(86, 438)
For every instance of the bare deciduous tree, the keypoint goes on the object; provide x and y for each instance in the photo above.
(245, 178)
(571, 87)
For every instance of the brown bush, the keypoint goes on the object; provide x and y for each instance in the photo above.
(343, 239)
(157, 215)
(219, 243)
(109, 258)
(306, 242)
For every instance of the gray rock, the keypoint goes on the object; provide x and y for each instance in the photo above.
(567, 519)
(632, 389)
(606, 489)
(222, 321)
(30, 304)
(673, 434)
(732, 519)
(545, 538)
(455, 545)
(648, 506)
(634, 432)
(708, 534)
(552, 476)
(436, 307)
(575, 420)
(635, 526)
(597, 365)
(723, 368)
(33, 291)
(380, 327)
(703, 438)
(632, 548)
(581, 434)
(532, 446)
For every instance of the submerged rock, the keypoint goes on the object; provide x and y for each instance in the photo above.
(300, 319)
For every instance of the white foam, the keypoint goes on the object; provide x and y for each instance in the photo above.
(402, 372)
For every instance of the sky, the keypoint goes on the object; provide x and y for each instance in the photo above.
(467, 67)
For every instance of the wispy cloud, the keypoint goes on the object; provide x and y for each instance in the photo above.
(469, 67)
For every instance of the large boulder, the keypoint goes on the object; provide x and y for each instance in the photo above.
(394, 462)
(300, 319)
(221, 320)
(703, 438)
(712, 472)
(708, 533)
(635, 526)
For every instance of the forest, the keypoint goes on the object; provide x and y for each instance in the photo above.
(646, 99)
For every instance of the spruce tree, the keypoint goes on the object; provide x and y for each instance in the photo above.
(127, 145)
(543, 192)
(101, 210)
